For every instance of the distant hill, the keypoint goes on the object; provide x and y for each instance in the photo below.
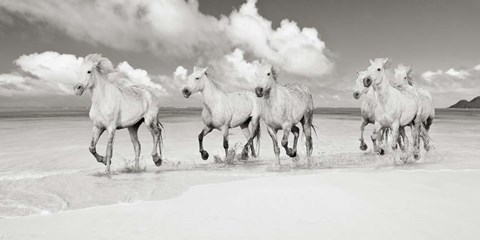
(474, 103)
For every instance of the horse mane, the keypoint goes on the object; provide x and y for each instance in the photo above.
(213, 80)
(274, 73)
(103, 64)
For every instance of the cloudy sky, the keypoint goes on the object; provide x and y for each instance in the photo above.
(319, 43)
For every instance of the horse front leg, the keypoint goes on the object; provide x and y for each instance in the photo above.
(394, 142)
(403, 139)
(363, 145)
(250, 130)
(108, 156)
(286, 133)
(296, 133)
(376, 139)
(97, 132)
(202, 134)
(273, 134)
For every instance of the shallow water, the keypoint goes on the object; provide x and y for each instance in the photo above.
(45, 165)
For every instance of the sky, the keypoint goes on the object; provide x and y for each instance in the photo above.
(318, 43)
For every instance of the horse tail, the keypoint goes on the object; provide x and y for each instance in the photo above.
(257, 140)
(160, 126)
(314, 130)
(424, 132)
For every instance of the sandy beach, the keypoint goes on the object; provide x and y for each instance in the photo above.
(56, 190)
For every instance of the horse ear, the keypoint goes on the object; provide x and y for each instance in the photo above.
(371, 62)
(386, 63)
(205, 70)
(357, 72)
(195, 68)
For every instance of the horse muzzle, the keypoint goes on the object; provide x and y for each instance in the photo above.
(367, 82)
(356, 95)
(78, 89)
(186, 93)
(259, 91)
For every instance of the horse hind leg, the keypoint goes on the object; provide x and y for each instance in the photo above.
(225, 141)
(425, 131)
(133, 131)
(307, 130)
(246, 132)
(156, 132)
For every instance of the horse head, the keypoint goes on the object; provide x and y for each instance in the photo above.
(195, 81)
(403, 75)
(92, 65)
(360, 88)
(377, 72)
(265, 76)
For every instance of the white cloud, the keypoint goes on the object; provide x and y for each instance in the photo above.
(461, 74)
(429, 75)
(177, 28)
(295, 50)
(180, 73)
(452, 84)
(234, 71)
(52, 73)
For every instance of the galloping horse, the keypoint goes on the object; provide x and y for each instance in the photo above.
(116, 106)
(284, 106)
(403, 79)
(223, 111)
(395, 108)
(367, 113)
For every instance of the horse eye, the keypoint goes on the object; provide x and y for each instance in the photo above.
(89, 72)
(378, 69)
(197, 78)
(405, 78)
(268, 74)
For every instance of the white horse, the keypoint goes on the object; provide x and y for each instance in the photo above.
(404, 79)
(116, 106)
(223, 111)
(284, 106)
(395, 108)
(367, 112)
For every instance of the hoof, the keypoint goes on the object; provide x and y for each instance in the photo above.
(427, 148)
(416, 156)
(204, 154)
(291, 153)
(157, 160)
(244, 155)
(102, 160)
(381, 151)
(363, 147)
